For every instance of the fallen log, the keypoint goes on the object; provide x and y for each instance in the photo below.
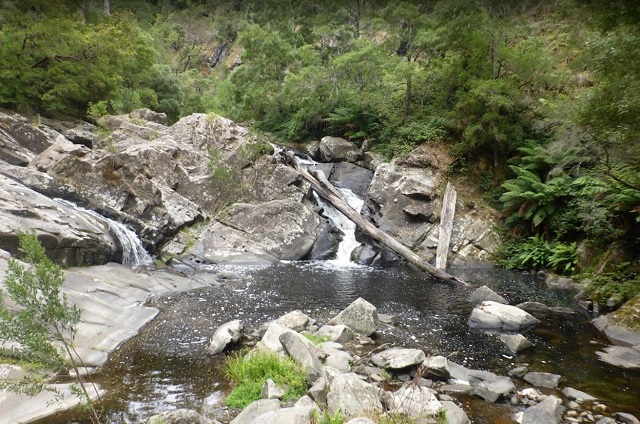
(446, 225)
(334, 198)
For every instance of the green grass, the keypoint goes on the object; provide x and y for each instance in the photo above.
(316, 338)
(250, 372)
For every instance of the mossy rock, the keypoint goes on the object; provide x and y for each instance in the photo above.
(628, 315)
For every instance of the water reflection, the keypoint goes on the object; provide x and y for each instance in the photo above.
(167, 366)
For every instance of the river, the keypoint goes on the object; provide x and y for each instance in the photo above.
(167, 367)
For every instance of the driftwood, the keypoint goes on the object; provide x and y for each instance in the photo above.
(367, 227)
(446, 225)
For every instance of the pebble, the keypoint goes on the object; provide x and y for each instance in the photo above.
(574, 405)
(446, 398)
(514, 400)
(572, 413)
(573, 420)
(600, 407)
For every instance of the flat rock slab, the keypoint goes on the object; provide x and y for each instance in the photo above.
(398, 357)
(543, 379)
(621, 356)
(494, 316)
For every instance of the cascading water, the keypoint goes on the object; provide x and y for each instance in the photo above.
(133, 253)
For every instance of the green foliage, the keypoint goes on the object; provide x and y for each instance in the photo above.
(537, 253)
(44, 318)
(327, 418)
(250, 372)
(316, 338)
(225, 180)
(624, 283)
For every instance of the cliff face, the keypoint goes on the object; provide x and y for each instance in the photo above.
(209, 191)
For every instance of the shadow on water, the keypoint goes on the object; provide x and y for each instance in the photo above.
(166, 367)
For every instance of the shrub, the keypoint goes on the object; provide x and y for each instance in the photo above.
(250, 372)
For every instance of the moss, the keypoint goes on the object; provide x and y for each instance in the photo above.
(628, 315)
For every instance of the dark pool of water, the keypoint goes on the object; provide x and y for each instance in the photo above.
(167, 366)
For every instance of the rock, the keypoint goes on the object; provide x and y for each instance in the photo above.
(20, 140)
(230, 332)
(353, 397)
(70, 237)
(387, 319)
(543, 379)
(454, 414)
(284, 229)
(494, 389)
(436, 367)
(622, 327)
(299, 414)
(335, 149)
(319, 391)
(626, 418)
(149, 115)
(361, 421)
(255, 409)
(397, 358)
(485, 293)
(298, 348)
(413, 401)
(179, 416)
(516, 342)
(561, 283)
(352, 177)
(339, 360)
(519, 372)
(271, 338)
(420, 210)
(540, 309)
(361, 316)
(458, 388)
(271, 391)
(548, 412)
(294, 320)
(337, 333)
(621, 356)
(572, 393)
(471, 376)
(491, 315)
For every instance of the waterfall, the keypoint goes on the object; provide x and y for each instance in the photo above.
(133, 253)
(345, 225)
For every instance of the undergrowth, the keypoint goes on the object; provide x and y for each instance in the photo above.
(250, 372)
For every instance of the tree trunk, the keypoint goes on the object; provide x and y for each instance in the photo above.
(446, 226)
(107, 7)
(367, 227)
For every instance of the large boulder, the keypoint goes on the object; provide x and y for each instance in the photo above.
(416, 402)
(495, 316)
(621, 356)
(484, 293)
(300, 351)
(361, 316)
(335, 149)
(516, 342)
(70, 236)
(493, 389)
(352, 397)
(548, 411)
(543, 379)
(622, 326)
(255, 409)
(179, 416)
(21, 140)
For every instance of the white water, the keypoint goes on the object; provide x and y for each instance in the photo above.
(133, 253)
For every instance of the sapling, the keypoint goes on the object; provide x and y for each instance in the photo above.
(42, 323)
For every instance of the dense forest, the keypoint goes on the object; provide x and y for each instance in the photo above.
(537, 101)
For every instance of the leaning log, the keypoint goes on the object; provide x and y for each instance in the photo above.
(334, 198)
(446, 225)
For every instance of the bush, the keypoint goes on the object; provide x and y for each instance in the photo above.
(250, 372)
(537, 253)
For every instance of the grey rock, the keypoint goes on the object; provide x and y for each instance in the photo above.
(270, 390)
(413, 401)
(298, 348)
(491, 315)
(294, 320)
(621, 356)
(301, 414)
(387, 319)
(318, 391)
(335, 149)
(353, 397)
(255, 409)
(626, 418)
(472, 376)
(516, 342)
(361, 316)
(230, 332)
(271, 338)
(483, 293)
(337, 333)
(558, 282)
(20, 140)
(540, 309)
(543, 379)
(361, 420)
(180, 416)
(618, 334)
(352, 177)
(454, 414)
(519, 372)
(572, 393)
(149, 115)
(606, 420)
(398, 358)
(436, 367)
(548, 411)
(494, 389)
(339, 360)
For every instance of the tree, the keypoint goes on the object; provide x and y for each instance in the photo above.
(44, 318)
